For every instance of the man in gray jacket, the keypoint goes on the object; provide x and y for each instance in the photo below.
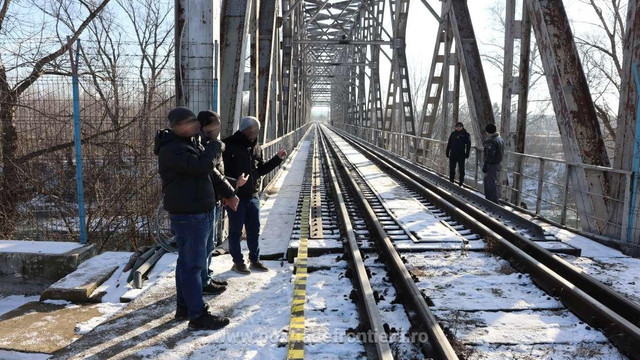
(493, 152)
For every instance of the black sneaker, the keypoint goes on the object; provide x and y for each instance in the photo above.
(208, 321)
(183, 314)
(213, 289)
(258, 265)
(241, 268)
(219, 281)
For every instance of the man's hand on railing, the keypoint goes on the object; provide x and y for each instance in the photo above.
(282, 153)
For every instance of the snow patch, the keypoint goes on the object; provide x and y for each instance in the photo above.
(37, 247)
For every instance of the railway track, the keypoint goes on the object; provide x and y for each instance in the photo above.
(593, 302)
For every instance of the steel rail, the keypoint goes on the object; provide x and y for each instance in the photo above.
(400, 276)
(591, 300)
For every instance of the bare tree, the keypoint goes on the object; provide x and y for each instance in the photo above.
(11, 190)
(601, 51)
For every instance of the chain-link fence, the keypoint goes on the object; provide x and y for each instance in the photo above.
(121, 188)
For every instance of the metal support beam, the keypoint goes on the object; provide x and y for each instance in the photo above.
(194, 54)
(581, 135)
(399, 110)
(234, 28)
(476, 89)
(268, 45)
(626, 136)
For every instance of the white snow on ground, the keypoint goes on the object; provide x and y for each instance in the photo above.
(485, 303)
(116, 286)
(521, 327)
(9, 303)
(278, 211)
(165, 266)
(409, 211)
(107, 310)
(476, 281)
(37, 247)
(608, 265)
(90, 267)
(16, 355)
(329, 313)
(258, 304)
(580, 351)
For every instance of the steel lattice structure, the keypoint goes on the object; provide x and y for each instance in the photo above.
(279, 58)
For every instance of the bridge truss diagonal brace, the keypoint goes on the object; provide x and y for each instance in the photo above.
(582, 139)
(267, 52)
(475, 83)
(234, 28)
(399, 109)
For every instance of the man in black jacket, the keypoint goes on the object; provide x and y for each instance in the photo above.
(185, 168)
(493, 153)
(243, 155)
(458, 150)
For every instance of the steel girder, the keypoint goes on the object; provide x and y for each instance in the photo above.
(194, 54)
(475, 82)
(456, 26)
(399, 108)
(234, 27)
(575, 112)
(516, 86)
(626, 137)
(267, 50)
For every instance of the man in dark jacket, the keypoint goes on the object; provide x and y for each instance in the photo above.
(243, 155)
(224, 187)
(185, 168)
(458, 150)
(493, 152)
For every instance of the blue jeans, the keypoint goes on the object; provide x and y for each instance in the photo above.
(191, 232)
(247, 215)
(211, 243)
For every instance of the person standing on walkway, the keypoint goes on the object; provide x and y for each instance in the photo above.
(185, 168)
(243, 155)
(224, 188)
(493, 152)
(458, 150)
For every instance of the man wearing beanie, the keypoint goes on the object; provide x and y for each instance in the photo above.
(185, 166)
(458, 150)
(493, 152)
(243, 155)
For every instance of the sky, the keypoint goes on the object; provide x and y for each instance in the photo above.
(421, 35)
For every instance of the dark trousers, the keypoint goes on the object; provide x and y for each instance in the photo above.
(191, 233)
(211, 243)
(247, 215)
(459, 161)
(491, 182)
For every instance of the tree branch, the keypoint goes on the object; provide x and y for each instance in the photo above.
(3, 11)
(39, 66)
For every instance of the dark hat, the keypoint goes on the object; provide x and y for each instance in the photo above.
(491, 128)
(207, 117)
(459, 124)
(179, 114)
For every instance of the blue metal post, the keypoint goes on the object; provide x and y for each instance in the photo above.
(215, 77)
(636, 157)
(78, 144)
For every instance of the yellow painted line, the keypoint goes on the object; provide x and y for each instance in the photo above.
(296, 325)
(295, 346)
